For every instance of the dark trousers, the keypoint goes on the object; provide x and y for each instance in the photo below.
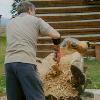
(22, 82)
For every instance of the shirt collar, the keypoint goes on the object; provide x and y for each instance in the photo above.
(23, 14)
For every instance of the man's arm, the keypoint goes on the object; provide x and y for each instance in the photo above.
(46, 29)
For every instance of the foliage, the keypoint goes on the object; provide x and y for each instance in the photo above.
(2, 52)
(14, 5)
(2, 85)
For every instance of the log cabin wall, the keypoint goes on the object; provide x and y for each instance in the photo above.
(77, 18)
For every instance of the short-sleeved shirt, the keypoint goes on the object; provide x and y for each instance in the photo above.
(22, 34)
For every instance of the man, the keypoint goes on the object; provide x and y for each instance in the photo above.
(22, 80)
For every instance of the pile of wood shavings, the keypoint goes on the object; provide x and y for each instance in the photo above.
(58, 84)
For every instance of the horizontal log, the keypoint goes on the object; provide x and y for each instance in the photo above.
(42, 54)
(69, 16)
(79, 31)
(97, 43)
(76, 24)
(68, 9)
(59, 3)
(44, 47)
(92, 38)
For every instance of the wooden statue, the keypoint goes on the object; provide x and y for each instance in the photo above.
(64, 80)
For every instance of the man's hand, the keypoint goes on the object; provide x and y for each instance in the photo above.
(56, 48)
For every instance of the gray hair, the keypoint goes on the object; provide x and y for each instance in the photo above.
(25, 7)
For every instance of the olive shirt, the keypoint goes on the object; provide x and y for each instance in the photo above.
(22, 34)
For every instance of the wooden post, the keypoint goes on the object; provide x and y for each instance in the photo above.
(97, 51)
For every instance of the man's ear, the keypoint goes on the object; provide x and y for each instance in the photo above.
(31, 12)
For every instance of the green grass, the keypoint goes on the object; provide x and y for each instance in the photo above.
(2, 53)
(2, 85)
(93, 72)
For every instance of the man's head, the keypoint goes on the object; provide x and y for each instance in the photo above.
(26, 7)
